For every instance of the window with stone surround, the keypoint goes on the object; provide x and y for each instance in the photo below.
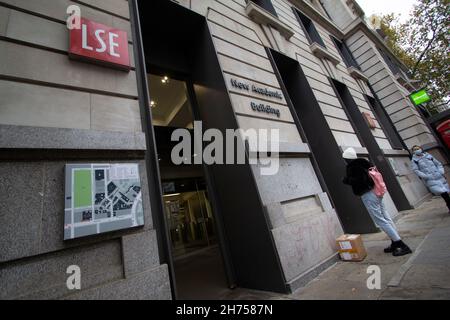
(346, 54)
(310, 29)
(266, 5)
(395, 67)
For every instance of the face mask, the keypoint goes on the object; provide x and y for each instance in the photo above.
(418, 152)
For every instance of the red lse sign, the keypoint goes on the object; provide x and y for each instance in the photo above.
(101, 44)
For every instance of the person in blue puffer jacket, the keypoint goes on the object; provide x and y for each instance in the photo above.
(432, 172)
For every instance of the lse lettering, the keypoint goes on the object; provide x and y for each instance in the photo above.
(99, 36)
(100, 44)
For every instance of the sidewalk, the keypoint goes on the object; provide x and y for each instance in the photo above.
(423, 275)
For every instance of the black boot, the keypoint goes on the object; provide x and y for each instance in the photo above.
(389, 249)
(400, 249)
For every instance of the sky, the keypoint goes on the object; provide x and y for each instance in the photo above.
(403, 7)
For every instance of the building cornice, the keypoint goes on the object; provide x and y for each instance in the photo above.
(261, 16)
(352, 28)
(357, 74)
(358, 8)
(360, 25)
(323, 53)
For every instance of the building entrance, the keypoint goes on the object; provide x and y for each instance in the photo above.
(185, 61)
(188, 210)
(190, 216)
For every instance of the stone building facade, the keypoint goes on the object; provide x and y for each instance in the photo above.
(386, 74)
(333, 90)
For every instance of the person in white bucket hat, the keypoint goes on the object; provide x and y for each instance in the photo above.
(363, 185)
(350, 154)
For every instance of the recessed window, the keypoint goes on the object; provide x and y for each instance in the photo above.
(390, 62)
(310, 29)
(266, 5)
(346, 54)
(385, 123)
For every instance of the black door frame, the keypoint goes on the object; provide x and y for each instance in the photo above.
(151, 156)
(301, 130)
(375, 153)
(207, 175)
(386, 121)
(168, 257)
(218, 220)
(310, 119)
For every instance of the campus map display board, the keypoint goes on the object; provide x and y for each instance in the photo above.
(101, 198)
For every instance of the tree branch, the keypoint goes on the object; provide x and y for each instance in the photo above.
(435, 34)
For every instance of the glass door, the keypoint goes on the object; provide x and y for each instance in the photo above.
(190, 216)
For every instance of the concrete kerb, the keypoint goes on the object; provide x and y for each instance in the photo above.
(397, 279)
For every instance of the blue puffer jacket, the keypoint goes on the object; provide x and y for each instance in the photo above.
(432, 172)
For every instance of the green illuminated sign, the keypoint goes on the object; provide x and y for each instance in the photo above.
(420, 97)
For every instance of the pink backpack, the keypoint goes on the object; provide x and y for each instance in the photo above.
(380, 187)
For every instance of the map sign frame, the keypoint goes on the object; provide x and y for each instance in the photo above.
(101, 198)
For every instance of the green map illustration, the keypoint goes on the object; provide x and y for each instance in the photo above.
(102, 198)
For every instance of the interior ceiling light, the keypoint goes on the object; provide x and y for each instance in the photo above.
(165, 80)
(171, 195)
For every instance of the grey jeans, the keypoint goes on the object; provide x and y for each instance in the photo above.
(379, 215)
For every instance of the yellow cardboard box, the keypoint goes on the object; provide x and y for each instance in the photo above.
(351, 247)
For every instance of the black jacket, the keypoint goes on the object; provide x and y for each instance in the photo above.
(358, 176)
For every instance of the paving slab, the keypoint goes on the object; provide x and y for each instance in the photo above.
(422, 275)
(426, 275)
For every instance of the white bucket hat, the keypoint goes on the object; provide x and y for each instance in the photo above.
(350, 154)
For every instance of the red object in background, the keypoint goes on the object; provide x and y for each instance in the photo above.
(100, 44)
(370, 121)
(444, 132)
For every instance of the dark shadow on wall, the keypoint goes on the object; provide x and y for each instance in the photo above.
(376, 154)
(350, 209)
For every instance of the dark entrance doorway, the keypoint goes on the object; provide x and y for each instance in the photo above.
(184, 50)
(188, 208)
(308, 115)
